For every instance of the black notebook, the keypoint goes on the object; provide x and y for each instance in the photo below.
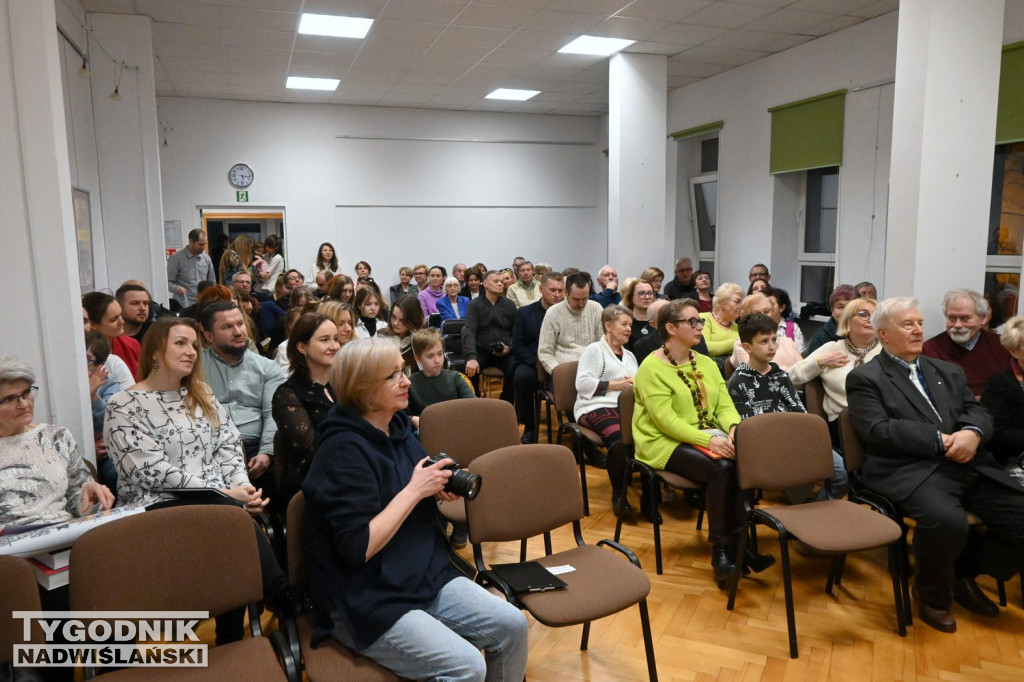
(528, 576)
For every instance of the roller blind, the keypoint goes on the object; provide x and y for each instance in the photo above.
(1010, 112)
(808, 133)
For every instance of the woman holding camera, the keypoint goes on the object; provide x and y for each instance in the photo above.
(379, 573)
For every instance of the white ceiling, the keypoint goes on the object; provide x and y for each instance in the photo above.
(448, 54)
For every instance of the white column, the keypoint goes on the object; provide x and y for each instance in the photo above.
(40, 308)
(944, 118)
(637, 232)
(128, 149)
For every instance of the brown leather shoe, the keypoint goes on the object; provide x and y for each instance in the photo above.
(968, 595)
(940, 619)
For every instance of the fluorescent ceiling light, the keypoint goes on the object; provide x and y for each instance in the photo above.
(337, 27)
(512, 93)
(596, 46)
(301, 83)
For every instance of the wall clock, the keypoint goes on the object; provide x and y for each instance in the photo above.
(240, 175)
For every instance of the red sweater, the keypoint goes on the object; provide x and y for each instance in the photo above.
(127, 348)
(987, 358)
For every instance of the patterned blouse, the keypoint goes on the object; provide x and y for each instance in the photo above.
(300, 405)
(41, 476)
(154, 443)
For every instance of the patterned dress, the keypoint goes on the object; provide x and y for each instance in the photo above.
(41, 476)
(155, 443)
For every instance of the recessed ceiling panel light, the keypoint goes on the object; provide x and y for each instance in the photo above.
(337, 27)
(512, 93)
(596, 46)
(301, 83)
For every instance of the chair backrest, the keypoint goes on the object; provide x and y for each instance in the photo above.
(814, 394)
(465, 429)
(627, 403)
(526, 490)
(853, 448)
(563, 383)
(782, 450)
(189, 558)
(17, 593)
(297, 540)
(452, 327)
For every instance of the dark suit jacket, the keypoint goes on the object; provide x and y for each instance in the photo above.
(1005, 399)
(899, 429)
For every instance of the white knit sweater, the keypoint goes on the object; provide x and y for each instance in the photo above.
(565, 333)
(598, 363)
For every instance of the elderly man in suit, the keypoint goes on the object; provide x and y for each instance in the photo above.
(924, 435)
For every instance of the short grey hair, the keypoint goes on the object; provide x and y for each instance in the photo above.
(1013, 334)
(13, 368)
(451, 280)
(981, 308)
(886, 309)
(612, 312)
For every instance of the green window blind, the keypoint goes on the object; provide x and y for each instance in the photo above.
(1010, 112)
(808, 134)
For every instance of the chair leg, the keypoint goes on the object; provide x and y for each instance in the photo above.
(1001, 589)
(700, 518)
(583, 485)
(734, 583)
(788, 584)
(547, 407)
(547, 544)
(586, 636)
(904, 556)
(645, 623)
(618, 527)
(522, 550)
(896, 573)
(835, 572)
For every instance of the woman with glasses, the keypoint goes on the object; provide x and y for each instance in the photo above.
(43, 478)
(638, 297)
(379, 575)
(720, 330)
(684, 423)
(832, 362)
(605, 369)
(452, 306)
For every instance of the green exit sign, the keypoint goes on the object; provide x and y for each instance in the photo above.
(242, 196)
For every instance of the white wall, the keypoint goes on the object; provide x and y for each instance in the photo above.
(374, 181)
(859, 58)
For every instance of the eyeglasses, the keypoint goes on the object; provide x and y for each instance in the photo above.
(395, 376)
(28, 395)
(863, 314)
(695, 322)
(645, 294)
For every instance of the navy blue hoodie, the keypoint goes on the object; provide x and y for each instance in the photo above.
(357, 471)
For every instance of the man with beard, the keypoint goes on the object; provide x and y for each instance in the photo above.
(965, 342)
(244, 383)
(134, 301)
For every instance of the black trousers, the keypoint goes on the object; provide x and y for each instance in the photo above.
(944, 547)
(525, 386)
(230, 626)
(723, 498)
(487, 359)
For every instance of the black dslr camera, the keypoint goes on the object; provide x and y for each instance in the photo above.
(462, 483)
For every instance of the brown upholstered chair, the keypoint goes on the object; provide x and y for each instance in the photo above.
(784, 450)
(189, 558)
(650, 478)
(563, 385)
(17, 593)
(533, 490)
(331, 660)
(814, 396)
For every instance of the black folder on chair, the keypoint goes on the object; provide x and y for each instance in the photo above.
(528, 576)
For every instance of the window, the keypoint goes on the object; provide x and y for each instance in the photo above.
(704, 209)
(1006, 233)
(818, 234)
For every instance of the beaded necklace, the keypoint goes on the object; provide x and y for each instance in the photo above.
(697, 390)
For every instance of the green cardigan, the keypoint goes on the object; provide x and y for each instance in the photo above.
(665, 414)
(720, 341)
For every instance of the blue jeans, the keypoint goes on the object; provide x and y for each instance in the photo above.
(443, 641)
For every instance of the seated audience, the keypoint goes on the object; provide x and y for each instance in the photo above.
(607, 290)
(406, 319)
(379, 575)
(757, 286)
(966, 342)
(759, 271)
(343, 316)
(569, 325)
(681, 285)
(303, 401)
(705, 294)
(637, 296)
(323, 284)
(105, 317)
(924, 438)
(760, 386)
(433, 384)
(135, 303)
(508, 278)
(363, 270)
(606, 368)
(526, 334)
(837, 301)
(474, 280)
(652, 341)
(720, 331)
(1004, 398)
(655, 276)
(405, 286)
(419, 275)
(684, 423)
(370, 315)
(833, 362)
(459, 273)
(326, 259)
(452, 306)
(867, 290)
(434, 291)
(43, 478)
(101, 388)
(489, 323)
(281, 353)
(524, 290)
(282, 293)
(782, 313)
(170, 431)
(341, 288)
(238, 258)
(785, 355)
